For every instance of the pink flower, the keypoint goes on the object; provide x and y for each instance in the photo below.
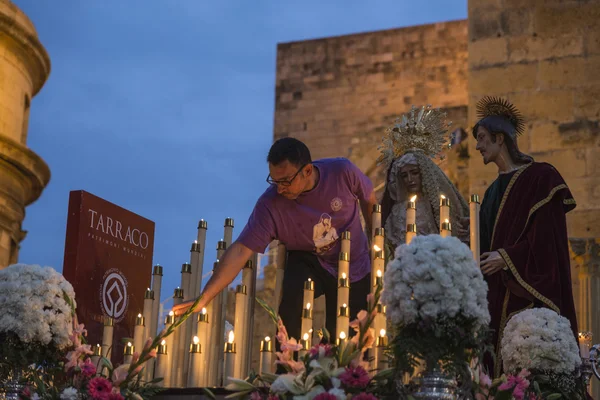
(484, 380)
(325, 349)
(517, 384)
(355, 378)
(115, 396)
(368, 339)
(151, 354)
(148, 344)
(325, 396)
(99, 388)
(364, 396)
(26, 392)
(87, 368)
(255, 396)
(273, 397)
(120, 374)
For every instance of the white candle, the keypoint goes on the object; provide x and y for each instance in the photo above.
(307, 318)
(138, 332)
(195, 364)
(411, 232)
(217, 328)
(376, 218)
(170, 345)
(341, 340)
(585, 343)
(345, 247)
(343, 320)
(229, 361)
(377, 268)
(239, 324)
(446, 229)
(411, 211)
(266, 355)
(162, 363)
(474, 207)
(128, 353)
(203, 329)
(248, 280)
(308, 298)
(382, 343)
(305, 343)
(107, 337)
(179, 359)
(97, 353)
(147, 314)
(157, 275)
(444, 210)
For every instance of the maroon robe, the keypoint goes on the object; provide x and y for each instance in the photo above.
(530, 233)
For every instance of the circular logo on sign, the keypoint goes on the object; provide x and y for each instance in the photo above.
(336, 204)
(113, 294)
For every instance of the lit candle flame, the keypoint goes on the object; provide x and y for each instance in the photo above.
(129, 344)
(344, 305)
(379, 273)
(196, 340)
(343, 275)
(195, 242)
(171, 313)
(231, 337)
(443, 197)
(309, 279)
(305, 337)
(308, 306)
(203, 310)
(267, 339)
(376, 248)
(382, 333)
(446, 221)
(342, 335)
(413, 199)
(310, 330)
(139, 315)
(163, 342)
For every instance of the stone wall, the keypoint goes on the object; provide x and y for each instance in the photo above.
(339, 94)
(24, 67)
(544, 56)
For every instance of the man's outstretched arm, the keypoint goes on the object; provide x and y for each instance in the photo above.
(230, 264)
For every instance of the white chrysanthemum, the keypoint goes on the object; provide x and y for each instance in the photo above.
(69, 393)
(540, 339)
(32, 304)
(434, 277)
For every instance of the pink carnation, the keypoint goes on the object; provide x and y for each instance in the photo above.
(88, 369)
(364, 396)
(325, 396)
(355, 378)
(99, 388)
(326, 348)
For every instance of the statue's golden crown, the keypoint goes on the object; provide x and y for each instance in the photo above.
(422, 129)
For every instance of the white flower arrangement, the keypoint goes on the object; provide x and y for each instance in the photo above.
(433, 278)
(539, 339)
(33, 306)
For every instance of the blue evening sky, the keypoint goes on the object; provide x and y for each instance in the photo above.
(166, 107)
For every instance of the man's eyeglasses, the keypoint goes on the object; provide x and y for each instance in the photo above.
(285, 182)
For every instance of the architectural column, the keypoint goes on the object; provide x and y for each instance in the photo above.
(24, 68)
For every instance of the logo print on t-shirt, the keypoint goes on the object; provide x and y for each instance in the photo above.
(336, 204)
(324, 234)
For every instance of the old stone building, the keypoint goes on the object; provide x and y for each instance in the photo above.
(24, 68)
(338, 94)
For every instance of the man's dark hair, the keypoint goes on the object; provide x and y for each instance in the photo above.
(497, 125)
(289, 149)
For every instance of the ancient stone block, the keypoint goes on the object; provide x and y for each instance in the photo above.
(533, 48)
(516, 21)
(569, 72)
(551, 20)
(551, 105)
(587, 102)
(505, 79)
(569, 163)
(488, 51)
(583, 223)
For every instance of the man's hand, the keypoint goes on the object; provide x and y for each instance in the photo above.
(491, 263)
(183, 307)
(464, 227)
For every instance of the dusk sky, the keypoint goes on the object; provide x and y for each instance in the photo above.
(166, 107)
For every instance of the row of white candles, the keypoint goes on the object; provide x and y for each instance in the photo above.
(445, 225)
(208, 361)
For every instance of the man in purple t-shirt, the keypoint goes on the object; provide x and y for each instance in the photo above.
(307, 207)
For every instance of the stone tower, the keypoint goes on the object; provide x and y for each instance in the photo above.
(24, 68)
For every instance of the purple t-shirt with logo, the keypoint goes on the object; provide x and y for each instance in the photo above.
(315, 220)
